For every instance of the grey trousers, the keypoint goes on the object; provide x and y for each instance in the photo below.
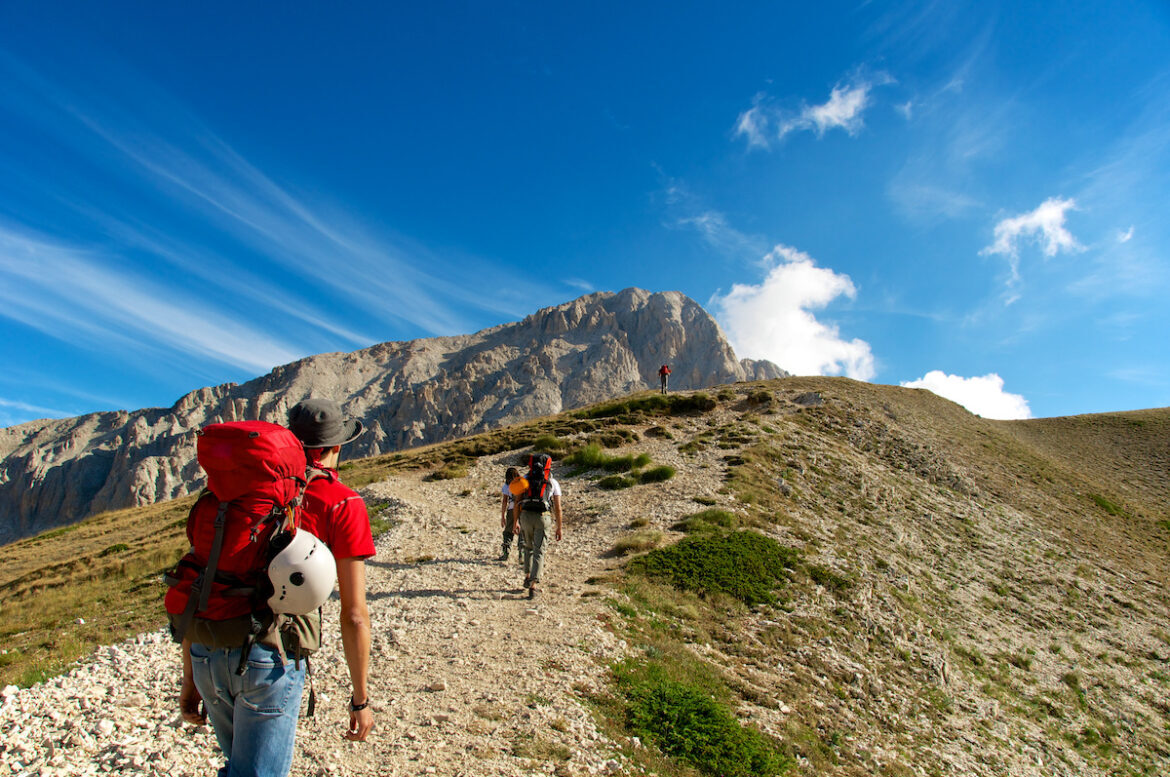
(535, 528)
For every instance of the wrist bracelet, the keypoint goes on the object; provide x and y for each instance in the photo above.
(358, 707)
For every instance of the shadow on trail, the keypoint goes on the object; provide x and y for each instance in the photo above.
(427, 562)
(449, 593)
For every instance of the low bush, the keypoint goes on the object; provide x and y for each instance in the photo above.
(687, 724)
(654, 404)
(638, 542)
(450, 472)
(549, 443)
(616, 482)
(657, 474)
(745, 565)
(589, 457)
(707, 520)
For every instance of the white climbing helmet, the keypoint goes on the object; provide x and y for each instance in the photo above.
(302, 575)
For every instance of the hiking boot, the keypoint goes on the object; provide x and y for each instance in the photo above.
(503, 555)
(533, 591)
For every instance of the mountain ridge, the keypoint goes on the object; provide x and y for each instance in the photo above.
(407, 393)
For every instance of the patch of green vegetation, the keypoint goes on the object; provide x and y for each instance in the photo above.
(1164, 525)
(653, 404)
(683, 721)
(51, 533)
(379, 526)
(616, 482)
(707, 520)
(828, 578)
(637, 542)
(118, 547)
(704, 500)
(1109, 506)
(657, 474)
(744, 565)
(549, 443)
(540, 749)
(660, 432)
(450, 472)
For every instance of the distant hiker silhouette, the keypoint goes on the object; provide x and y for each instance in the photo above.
(531, 514)
(663, 374)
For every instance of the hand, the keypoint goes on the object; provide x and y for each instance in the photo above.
(515, 527)
(558, 533)
(189, 701)
(360, 723)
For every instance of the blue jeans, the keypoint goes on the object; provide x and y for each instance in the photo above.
(254, 715)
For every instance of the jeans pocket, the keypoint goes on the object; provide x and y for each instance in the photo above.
(268, 685)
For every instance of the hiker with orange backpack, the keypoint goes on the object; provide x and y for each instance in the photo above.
(663, 374)
(507, 503)
(531, 515)
(245, 601)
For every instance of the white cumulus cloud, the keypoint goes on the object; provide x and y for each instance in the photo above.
(983, 395)
(1044, 225)
(774, 319)
(1126, 236)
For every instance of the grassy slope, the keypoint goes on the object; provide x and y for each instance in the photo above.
(989, 583)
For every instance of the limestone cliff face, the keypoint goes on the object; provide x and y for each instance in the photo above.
(407, 393)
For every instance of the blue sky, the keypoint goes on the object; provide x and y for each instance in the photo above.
(971, 197)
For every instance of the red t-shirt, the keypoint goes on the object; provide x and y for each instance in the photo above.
(337, 516)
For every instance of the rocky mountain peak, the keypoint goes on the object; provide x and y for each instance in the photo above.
(407, 393)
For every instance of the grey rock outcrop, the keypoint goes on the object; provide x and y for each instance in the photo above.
(57, 472)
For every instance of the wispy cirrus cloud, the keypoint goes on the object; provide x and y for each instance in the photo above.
(317, 253)
(687, 210)
(776, 320)
(983, 395)
(766, 123)
(81, 298)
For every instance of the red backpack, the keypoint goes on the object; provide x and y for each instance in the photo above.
(256, 475)
(538, 498)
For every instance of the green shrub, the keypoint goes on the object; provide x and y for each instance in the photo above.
(707, 520)
(616, 482)
(116, 548)
(659, 431)
(828, 578)
(618, 464)
(657, 474)
(589, 457)
(549, 443)
(637, 542)
(1109, 506)
(641, 460)
(654, 404)
(685, 723)
(745, 565)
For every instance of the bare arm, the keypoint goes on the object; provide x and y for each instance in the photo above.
(556, 505)
(503, 509)
(189, 697)
(355, 637)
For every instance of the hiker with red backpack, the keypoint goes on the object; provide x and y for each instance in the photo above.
(663, 374)
(245, 601)
(531, 516)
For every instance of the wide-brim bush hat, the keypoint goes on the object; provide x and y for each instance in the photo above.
(320, 423)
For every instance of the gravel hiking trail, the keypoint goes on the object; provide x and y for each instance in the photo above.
(468, 676)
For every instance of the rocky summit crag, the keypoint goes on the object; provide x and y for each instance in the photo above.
(56, 472)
